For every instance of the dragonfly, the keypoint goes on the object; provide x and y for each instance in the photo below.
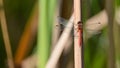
(63, 22)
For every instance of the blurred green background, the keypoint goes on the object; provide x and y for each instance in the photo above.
(18, 13)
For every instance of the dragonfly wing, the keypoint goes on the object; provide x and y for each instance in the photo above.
(62, 21)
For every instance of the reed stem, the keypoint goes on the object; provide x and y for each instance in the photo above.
(78, 35)
(6, 36)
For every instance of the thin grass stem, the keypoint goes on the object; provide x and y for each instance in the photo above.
(6, 36)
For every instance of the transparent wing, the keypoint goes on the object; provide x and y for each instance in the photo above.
(62, 21)
(91, 30)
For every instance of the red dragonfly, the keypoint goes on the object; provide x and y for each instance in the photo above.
(62, 24)
(80, 31)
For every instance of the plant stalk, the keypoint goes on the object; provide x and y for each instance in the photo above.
(78, 34)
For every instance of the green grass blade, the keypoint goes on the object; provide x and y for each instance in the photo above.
(43, 38)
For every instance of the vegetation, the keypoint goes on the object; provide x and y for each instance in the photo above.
(38, 39)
